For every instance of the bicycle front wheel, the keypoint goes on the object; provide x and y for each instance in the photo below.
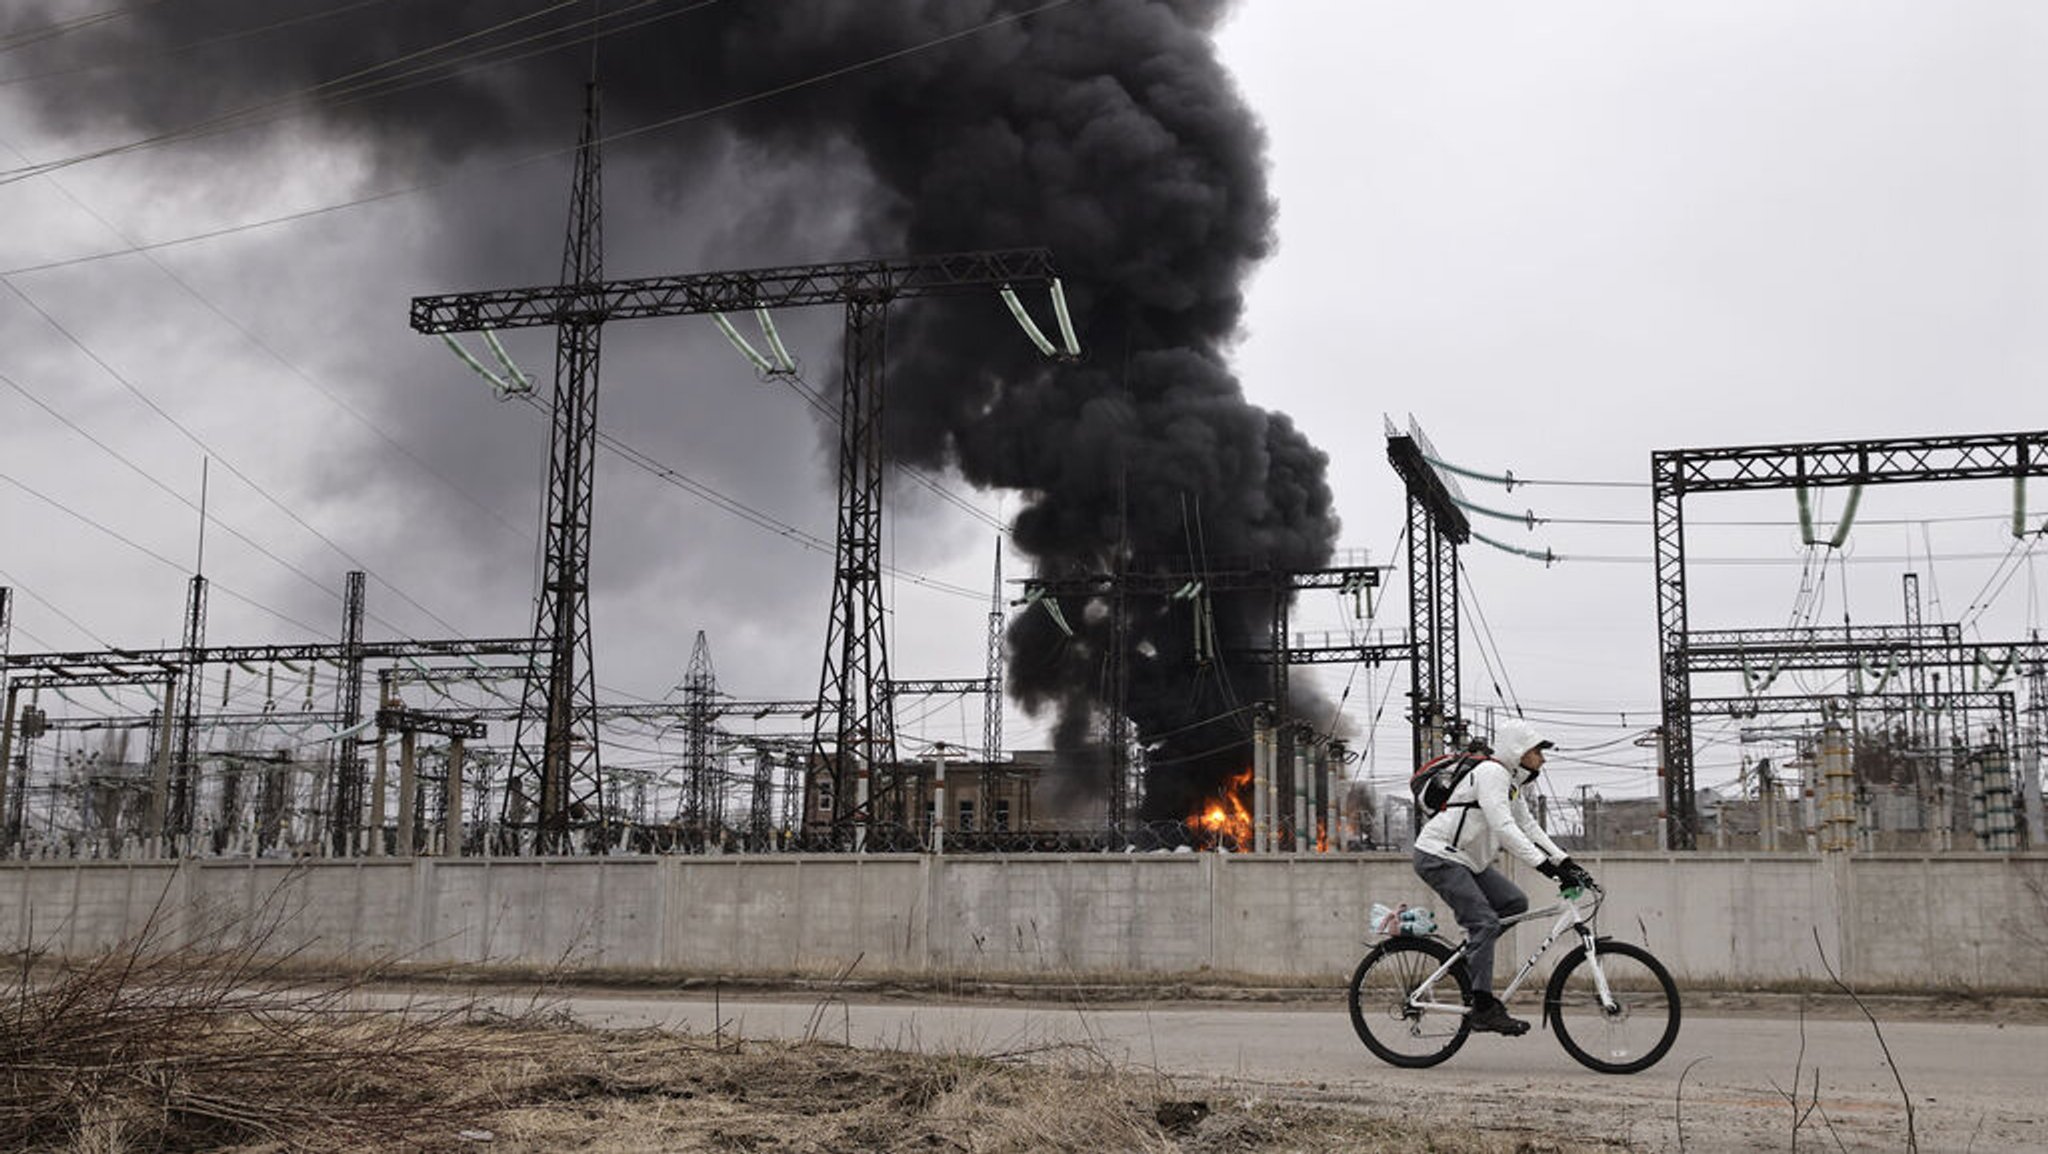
(1390, 1027)
(1626, 1035)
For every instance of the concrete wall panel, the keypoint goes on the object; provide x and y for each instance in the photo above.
(1963, 922)
(1958, 921)
(1072, 914)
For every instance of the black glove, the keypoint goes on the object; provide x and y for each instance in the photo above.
(1572, 875)
(1552, 869)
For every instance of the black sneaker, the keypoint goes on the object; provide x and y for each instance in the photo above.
(1489, 1016)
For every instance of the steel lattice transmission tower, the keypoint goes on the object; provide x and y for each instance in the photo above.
(700, 687)
(556, 766)
(992, 704)
(564, 703)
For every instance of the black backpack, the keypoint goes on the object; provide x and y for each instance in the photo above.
(1434, 781)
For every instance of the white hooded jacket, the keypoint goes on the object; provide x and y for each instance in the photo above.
(1486, 811)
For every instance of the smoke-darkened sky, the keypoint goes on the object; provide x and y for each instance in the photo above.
(1562, 236)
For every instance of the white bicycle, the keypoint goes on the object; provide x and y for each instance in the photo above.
(1613, 1007)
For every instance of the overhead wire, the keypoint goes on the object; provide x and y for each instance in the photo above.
(803, 388)
(154, 480)
(146, 551)
(65, 27)
(131, 62)
(739, 508)
(226, 462)
(246, 115)
(552, 153)
(1497, 668)
(1372, 616)
(300, 374)
(53, 607)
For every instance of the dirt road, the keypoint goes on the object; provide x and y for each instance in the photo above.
(1975, 1084)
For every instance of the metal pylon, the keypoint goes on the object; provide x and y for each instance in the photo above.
(851, 685)
(700, 685)
(563, 777)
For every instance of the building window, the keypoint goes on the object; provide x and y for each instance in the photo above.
(824, 790)
(966, 813)
(1002, 815)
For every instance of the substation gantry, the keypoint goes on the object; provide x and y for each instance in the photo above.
(1679, 473)
(565, 779)
(1436, 528)
(856, 729)
(179, 671)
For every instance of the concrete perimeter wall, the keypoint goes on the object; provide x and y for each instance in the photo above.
(1953, 922)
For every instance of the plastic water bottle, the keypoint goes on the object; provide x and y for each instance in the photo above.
(1381, 919)
(1416, 921)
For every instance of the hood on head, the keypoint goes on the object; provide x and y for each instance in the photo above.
(1513, 738)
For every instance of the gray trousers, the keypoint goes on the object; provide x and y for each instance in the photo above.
(1479, 901)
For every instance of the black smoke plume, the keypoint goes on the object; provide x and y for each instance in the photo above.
(1105, 130)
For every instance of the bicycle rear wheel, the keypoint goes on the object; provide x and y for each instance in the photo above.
(1392, 1029)
(1631, 1034)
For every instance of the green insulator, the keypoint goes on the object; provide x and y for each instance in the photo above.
(739, 342)
(1024, 320)
(1848, 517)
(1059, 309)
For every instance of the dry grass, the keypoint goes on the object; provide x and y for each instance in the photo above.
(151, 1048)
(619, 1093)
(160, 1049)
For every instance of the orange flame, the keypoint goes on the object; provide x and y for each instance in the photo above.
(1225, 822)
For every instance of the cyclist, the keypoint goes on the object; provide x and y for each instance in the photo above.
(1455, 849)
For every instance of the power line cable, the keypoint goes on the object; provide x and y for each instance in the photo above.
(243, 116)
(816, 399)
(53, 607)
(1486, 635)
(215, 454)
(740, 509)
(151, 553)
(66, 27)
(549, 154)
(1509, 479)
(131, 62)
(146, 475)
(304, 377)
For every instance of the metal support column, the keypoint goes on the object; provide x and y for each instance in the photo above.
(1681, 822)
(856, 665)
(347, 816)
(184, 774)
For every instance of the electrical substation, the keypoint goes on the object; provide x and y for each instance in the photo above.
(494, 747)
(945, 656)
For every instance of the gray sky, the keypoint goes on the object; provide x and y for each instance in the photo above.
(1561, 235)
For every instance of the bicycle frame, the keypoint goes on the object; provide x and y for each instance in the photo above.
(1570, 916)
